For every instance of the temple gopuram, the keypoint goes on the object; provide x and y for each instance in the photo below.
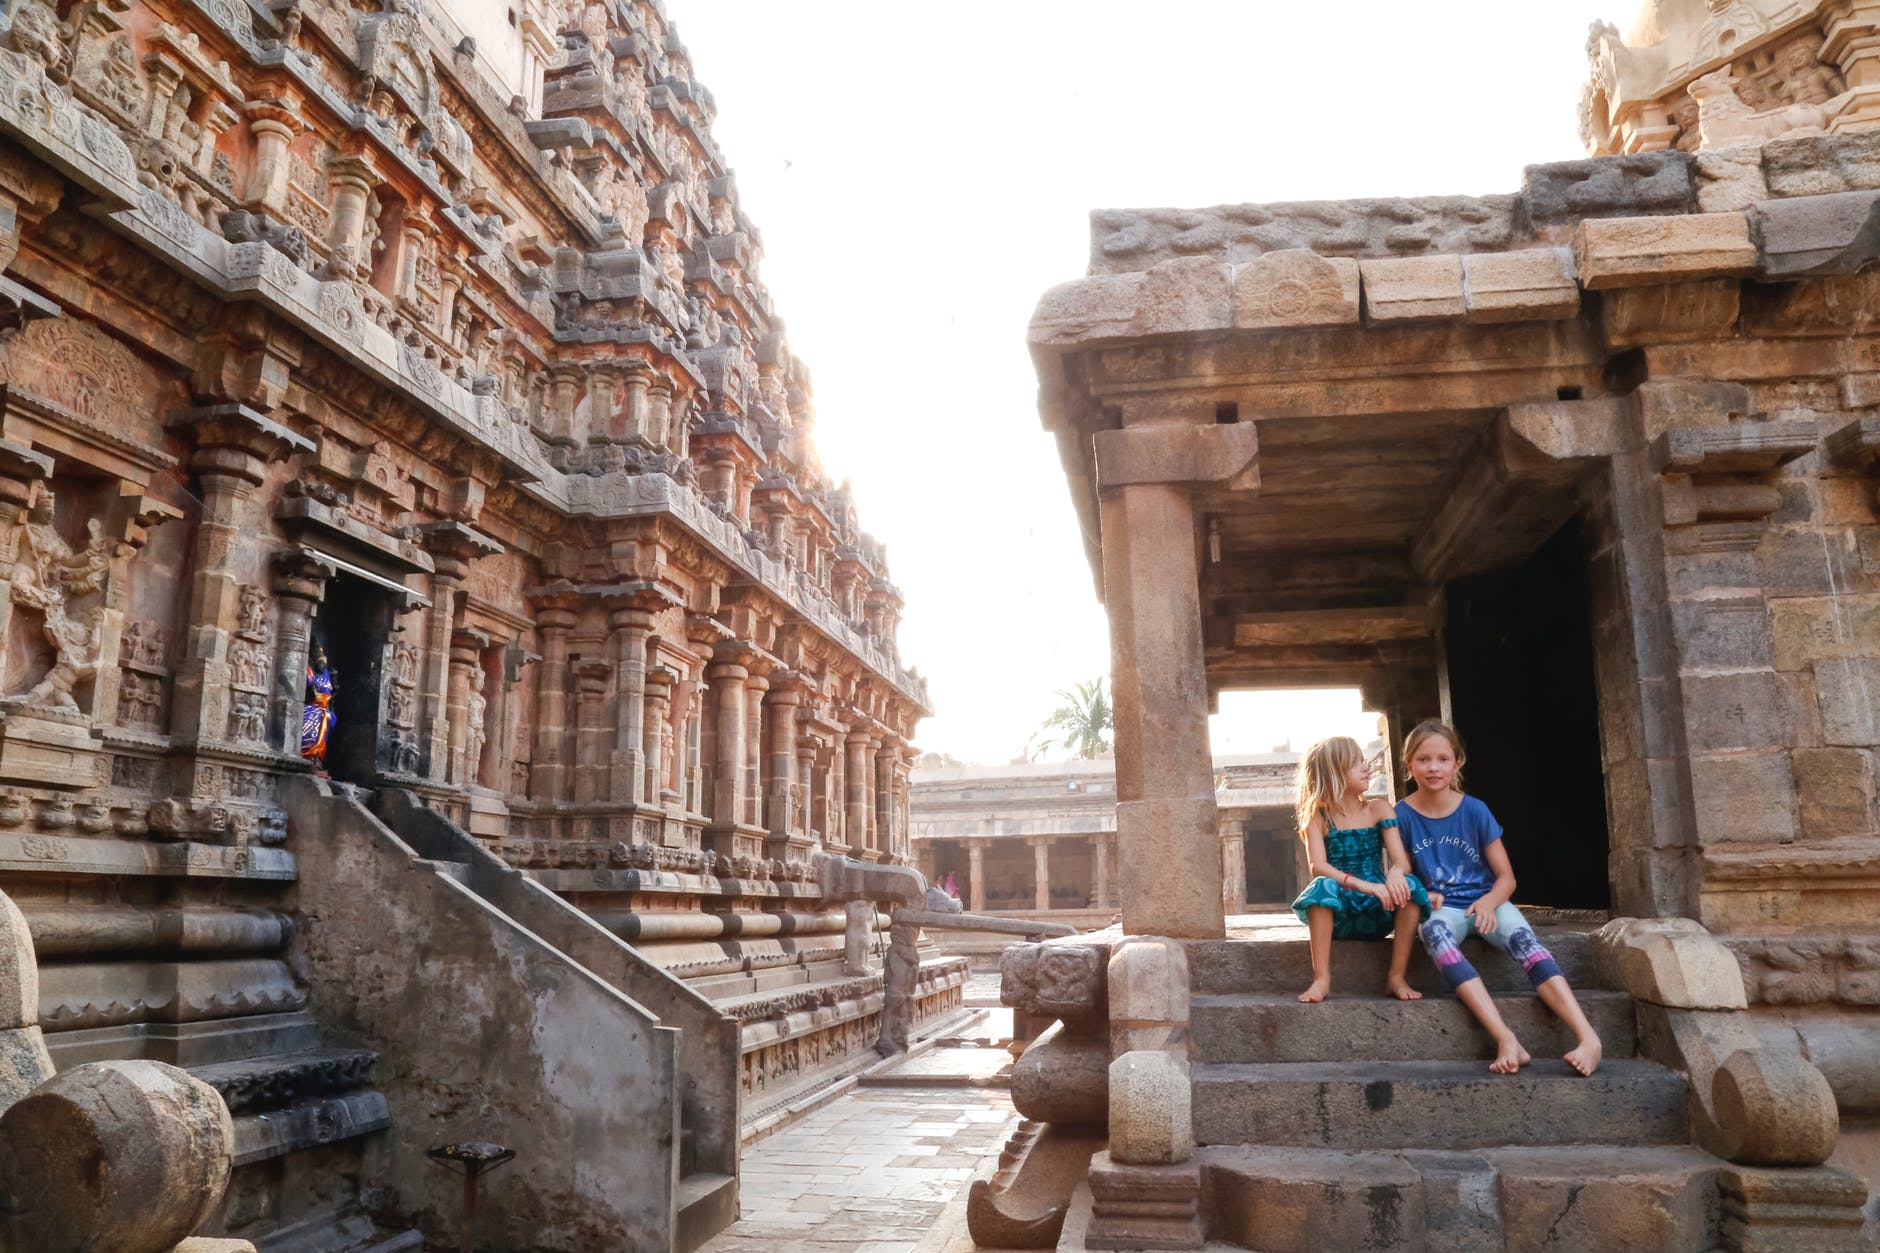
(449, 720)
(1589, 471)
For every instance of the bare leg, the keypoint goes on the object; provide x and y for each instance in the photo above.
(1509, 1055)
(1319, 926)
(1408, 919)
(1559, 998)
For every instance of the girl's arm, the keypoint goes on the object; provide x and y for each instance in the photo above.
(1322, 865)
(1396, 861)
(1497, 896)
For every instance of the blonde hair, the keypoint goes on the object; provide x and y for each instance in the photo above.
(1321, 778)
(1429, 729)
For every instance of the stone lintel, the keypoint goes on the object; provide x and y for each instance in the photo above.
(1634, 252)
(1857, 444)
(1739, 448)
(1810, 235)
(1335, 626)
(1219, 453)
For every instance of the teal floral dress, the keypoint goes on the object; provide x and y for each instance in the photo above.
(1355, 916)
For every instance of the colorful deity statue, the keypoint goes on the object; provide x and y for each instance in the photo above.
(316, 719)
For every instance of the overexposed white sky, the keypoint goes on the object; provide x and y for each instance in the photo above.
(921, 173)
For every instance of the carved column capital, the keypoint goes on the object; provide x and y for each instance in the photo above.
(235, 439)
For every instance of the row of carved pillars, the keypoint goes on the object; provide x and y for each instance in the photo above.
(729, 738)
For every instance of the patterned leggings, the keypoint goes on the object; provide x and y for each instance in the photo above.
(1448, 927)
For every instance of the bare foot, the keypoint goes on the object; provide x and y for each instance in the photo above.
(1316, 992)
(1585, 1059)
(1402, 991)
(1510, 1058)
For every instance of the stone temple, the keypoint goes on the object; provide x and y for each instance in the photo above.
(395, 381)
(1589, 470)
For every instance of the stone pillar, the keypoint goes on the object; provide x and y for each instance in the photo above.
(600, 408)
(658, 729)
(976, 875)
(659, 411)
(630, 421)
(593, 676)
(855, 788)
(1100, 872)
(502, 754)
(728, 675)
(453, 546)
(632, 624)
(548, 774)
(233, 446)
(352, 179)
(1041, 874)
(802, 787)
(274, 127)
(1165, 813)
(883, 808)
(786, 697)
(564, 385)
(755, 688)
(1852, 43)
(466, 655)
(1234, 867)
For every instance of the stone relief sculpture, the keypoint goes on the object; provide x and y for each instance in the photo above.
(1726, 121)
(46, 574)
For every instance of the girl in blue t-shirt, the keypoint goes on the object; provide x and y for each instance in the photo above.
(1456, 845)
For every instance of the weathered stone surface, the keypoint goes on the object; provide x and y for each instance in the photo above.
(1623, 252)
(1814, 628)
(1823, 164)
(1183, 296)
(1100, 307)
(1126, 240)
(1743, 797)
(24, 1064)
(1848, 692)
(1641, 1199)
(1063, 1079)
(1283, 1201)
(1148, 978)
(1184, 454)
(1729, 179)
(1055, 979)
(1751, 709)
(1141, 1206)
(1670, 961)
(112, 1157)
(1807, 235)
(19, 972)
(1409, 289)
(1295, 287)
(1774, 1109)
(1778, 1210)
(1835, 791)
(1149, 1109)
(1601, 187)
(1535, 283)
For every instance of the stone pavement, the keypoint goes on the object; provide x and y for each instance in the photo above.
(868, 1173)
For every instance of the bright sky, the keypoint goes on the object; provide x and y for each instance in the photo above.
(921, 174)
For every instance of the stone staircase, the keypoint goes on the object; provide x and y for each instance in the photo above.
(1371, 1123)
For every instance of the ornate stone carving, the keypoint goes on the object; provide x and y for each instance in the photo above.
(83, 369)
(47, 574)
(1726, 121)
(251, 622)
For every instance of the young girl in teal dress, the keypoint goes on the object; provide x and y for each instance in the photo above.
(1364, 885)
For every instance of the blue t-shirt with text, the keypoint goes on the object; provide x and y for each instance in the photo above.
(1449, 853)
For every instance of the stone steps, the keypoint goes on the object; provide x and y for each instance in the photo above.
(286, 1102)
(1576, 1198)
(1218, 967)
(1267, 1027)
(1436, 1105)
(708, 1203)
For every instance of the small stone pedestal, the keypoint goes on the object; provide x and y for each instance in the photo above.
(489, 816)
(47, 747)
(1777, 1209)
(1144, 1207)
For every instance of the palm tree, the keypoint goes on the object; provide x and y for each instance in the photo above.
(1082, 722)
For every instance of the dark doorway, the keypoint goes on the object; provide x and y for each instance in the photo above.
(1520, 651)
(353, 624)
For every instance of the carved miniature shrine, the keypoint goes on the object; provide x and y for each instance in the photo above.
(408, 503)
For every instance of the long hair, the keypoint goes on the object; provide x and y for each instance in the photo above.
(1430, 729)
(1321, 778)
